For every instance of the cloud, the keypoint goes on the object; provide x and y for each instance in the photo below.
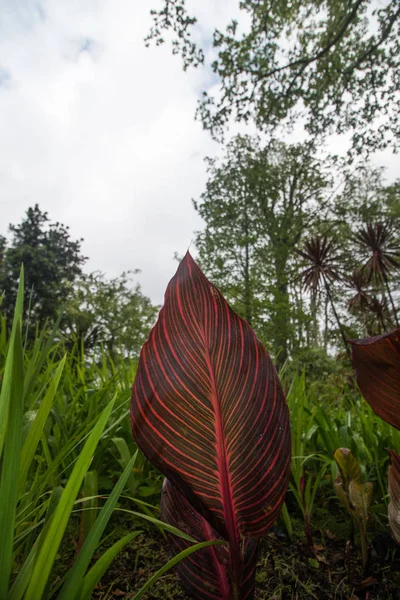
(99, 130)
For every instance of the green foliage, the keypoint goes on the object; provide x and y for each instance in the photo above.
(108, 313)
(340, 419)
(335, 63)
(259, 201)
(53, 428)
(60, 414)
(354, 495)
(63, 398)
(51, 400)
(52, 262)
(97, 312)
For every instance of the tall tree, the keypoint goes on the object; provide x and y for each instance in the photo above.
(322, 269)
(52, 261)
(382, 249)
(112, 313)
(258, 202)
(334, 62)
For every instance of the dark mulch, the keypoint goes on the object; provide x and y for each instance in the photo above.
(287, 570)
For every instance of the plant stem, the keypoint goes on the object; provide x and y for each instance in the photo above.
(391, 299)
(337, 320)
(236, 572)
(364, 552)
(308, 530)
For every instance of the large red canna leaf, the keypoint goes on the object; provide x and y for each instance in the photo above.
(376, 362)
(205, 574)
(394, 493)
(209, 411)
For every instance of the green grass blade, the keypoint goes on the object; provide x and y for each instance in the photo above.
(159, 524)
(6, 385)
(174, 561)
(287, 520)
(41, 356)
(91, 493)
(48, 551)
(76, 575)
(123, 449)
(24, 575)
(36, 429)
(11, 462)
(100, 567)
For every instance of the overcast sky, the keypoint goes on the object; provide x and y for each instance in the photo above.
(100, 131)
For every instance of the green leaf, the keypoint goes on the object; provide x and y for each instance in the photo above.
(36, 429)
(11, 459)
(348, 465)
(159, 524)
(7, 377)
(342, 496)
(123, 449)
(24, 575)
(174, 561)
(360, 495)
(100, 567)
(90, 504)
(48, 551)
(76, 575)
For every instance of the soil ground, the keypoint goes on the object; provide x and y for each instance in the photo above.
(287, 570)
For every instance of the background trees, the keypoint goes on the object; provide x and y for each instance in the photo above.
(52, 262)
(96, 311)
(110, 313)
(335, 63)
(260, 200)
(285, 244)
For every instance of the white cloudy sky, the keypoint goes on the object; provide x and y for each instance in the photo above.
(99, 130)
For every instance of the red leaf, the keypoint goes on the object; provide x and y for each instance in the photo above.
(205, 574)
(394, 493)
(209, 411)
(376, 362)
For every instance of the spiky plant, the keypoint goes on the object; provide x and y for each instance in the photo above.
(361, 298)
(380, 311)
(322, 269)
(381, 247)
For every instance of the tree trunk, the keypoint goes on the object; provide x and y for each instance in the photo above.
(337, 319)
(281, 309)
(326, 324)
(247, 288)
(391, 299)
(314, 315)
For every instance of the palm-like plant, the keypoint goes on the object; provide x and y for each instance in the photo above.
(361, 298)
(382, 248)
(321, 271)
(379, 308)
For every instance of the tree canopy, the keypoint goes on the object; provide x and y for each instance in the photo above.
(280, 241)
(52, 261)
(259, 202)
(109, 313)
(96, 311)
(335, 63)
